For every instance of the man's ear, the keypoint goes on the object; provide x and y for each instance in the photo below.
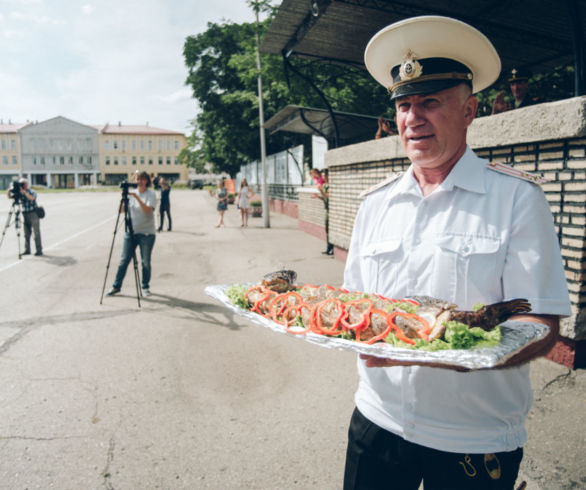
(470, 108)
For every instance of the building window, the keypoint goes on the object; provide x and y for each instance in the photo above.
(133, 160)
(168, 160)
(106, 145)
(160, 145)
(3, 144)
(42, 160)
(176, 144)
(70, 160)
(62, 160)
(142, 160)
(123, 160)
(115, 144)
(34, 160)
(123, 145)
(81, 160)
(168, 145)
(142, 144)
(89, 159)
(150, 160)
(13, 144)
(54, 160)
(150, 145)
(14, 161)
(133, 144)
(160, 160)
(107, 160)
(115, 160)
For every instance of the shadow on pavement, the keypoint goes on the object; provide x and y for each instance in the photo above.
(206, 312)
(58, 260)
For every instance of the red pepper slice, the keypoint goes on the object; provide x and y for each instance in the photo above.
(259, 305)
(421, 333)
(251, 289)
(385, 332)
(289, 322)
(364, 322)
(256, 307)
(336, 327)
(281, 302)
(396, 330)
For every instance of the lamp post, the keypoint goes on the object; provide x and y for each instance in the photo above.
(263, 156)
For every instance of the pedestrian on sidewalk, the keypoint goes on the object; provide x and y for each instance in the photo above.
(451, 227)
(324, 194)
(244, 196)
(222, 197)
(165, 206)
(141, 204)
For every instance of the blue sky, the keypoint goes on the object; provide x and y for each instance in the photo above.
(103, 60)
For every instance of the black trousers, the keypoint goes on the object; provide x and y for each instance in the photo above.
(378, 459)
(162, 211)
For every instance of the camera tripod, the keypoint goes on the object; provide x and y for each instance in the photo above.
(128, 229)
(16, 210)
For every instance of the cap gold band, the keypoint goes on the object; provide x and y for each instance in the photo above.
(437, 76)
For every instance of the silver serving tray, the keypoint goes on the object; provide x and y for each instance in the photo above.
(515, 337)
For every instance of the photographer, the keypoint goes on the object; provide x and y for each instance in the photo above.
(141, 206)
(21, 193)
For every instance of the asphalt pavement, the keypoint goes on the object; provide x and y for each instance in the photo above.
(180, 393)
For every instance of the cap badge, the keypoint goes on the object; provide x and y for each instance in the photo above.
(410, 68)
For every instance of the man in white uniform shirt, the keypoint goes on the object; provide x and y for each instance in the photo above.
(453, 228)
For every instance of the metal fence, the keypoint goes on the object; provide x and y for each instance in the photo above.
(284, 173)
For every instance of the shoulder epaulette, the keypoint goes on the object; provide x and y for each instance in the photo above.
(515, 172)
(392, 177)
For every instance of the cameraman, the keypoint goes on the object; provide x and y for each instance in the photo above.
(28, 198)
(141, 206)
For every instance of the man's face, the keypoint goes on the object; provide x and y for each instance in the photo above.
(519, 88)
(432, 127)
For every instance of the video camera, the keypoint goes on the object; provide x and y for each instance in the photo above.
(15, 190)
(127, 185)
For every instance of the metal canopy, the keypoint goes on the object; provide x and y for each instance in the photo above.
(535, 34)
(306, 120)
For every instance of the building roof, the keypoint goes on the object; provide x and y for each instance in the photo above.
(533, 34)
(134, 129)
(12, 127)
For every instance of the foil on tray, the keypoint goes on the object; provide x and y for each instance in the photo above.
(515, 337)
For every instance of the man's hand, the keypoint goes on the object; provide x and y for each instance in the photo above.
(500, 104)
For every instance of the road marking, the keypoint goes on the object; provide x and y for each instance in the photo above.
(58, 244)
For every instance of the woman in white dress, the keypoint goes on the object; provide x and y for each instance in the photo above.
(244, 196)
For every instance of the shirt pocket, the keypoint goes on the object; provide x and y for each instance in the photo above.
(468, 268)
(380, 264)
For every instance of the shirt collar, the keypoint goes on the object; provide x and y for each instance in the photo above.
(467, 174)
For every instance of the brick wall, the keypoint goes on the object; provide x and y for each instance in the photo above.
(549, 139)
(311, 212)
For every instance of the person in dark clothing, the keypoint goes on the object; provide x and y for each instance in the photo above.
(165, 203)
(519, 84)
(32, 224)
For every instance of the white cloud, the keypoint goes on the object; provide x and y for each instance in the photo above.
(113, 60)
